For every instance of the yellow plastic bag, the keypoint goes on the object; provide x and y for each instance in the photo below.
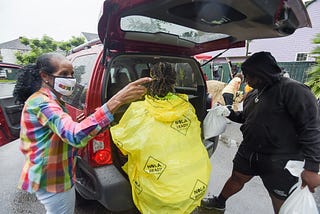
(168, 166)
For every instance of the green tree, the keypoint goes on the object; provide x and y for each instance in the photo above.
(45, 45)
(313, 80)
(66, 46)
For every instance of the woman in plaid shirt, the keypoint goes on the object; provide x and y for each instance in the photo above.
(49, 136)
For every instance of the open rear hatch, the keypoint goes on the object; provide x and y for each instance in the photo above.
(190, 27)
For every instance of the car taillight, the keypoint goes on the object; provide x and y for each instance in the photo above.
(99, 151)
(102, 157)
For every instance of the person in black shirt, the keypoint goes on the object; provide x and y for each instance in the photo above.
(280, 122)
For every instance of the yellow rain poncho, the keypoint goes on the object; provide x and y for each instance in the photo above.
(168, 166)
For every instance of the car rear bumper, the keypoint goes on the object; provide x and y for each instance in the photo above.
(104, 184)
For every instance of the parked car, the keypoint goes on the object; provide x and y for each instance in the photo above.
(3, 74)
(9, 113)
(8, 70)
(138, 34)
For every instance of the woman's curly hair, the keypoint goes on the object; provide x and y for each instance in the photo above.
(164, 78)
(29, 79)
(28, 82)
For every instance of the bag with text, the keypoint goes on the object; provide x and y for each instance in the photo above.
(168, 165)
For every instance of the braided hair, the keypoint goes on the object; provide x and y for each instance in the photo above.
(29, 79)
(164, 79)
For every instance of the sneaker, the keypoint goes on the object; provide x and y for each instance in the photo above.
(212, 203)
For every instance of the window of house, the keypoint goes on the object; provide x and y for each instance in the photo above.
(302, 57)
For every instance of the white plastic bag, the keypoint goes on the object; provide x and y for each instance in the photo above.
(300, 201)
(215, 122)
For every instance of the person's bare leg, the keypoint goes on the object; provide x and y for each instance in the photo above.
(276, 203)
(234, 184)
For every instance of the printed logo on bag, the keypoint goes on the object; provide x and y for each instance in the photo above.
(137, 186)
(198, 190)
(155, 167)
(182, 125)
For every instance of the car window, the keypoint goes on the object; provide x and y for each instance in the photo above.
(151, 25)
(185, 75)
(127, 68)
(8, 77)
(82, 66)
(142, 70)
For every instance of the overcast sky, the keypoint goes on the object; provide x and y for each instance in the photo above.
(59, 19)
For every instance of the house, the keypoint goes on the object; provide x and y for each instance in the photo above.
(8, 49)
(293, 48)
(90, 36)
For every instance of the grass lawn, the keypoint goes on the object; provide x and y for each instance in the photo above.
(7, 81)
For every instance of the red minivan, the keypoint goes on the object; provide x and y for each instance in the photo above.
(135, 34)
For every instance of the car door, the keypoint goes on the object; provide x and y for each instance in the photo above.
(83, 64)
(10, 112)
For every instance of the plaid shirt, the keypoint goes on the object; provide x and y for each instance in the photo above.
(49, 138)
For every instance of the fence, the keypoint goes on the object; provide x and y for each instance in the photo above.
(296, 70)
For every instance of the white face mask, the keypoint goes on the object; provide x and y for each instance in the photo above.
(64, 85)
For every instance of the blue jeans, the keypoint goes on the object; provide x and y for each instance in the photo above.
(58, 203)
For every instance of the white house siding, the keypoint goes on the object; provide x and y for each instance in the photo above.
(283, 49)
(8, 56)
(8, 50)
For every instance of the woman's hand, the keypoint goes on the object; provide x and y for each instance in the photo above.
(131, 92)
(310, 179)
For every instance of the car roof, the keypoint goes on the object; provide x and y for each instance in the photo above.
(219, 24)
(9, 65)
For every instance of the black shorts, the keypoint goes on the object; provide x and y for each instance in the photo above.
(270, 168)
